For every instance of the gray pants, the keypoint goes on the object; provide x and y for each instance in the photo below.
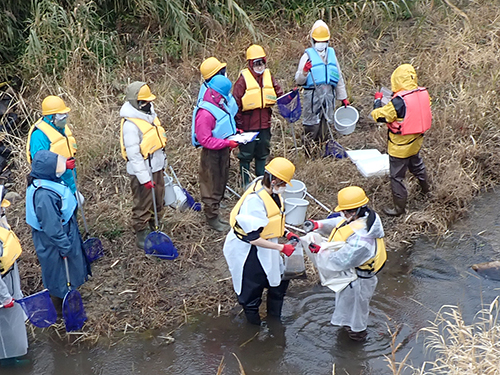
(398, 168)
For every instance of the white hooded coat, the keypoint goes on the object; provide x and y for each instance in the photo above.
(13, 337)
(251, 217)
(352, 303)
(132, 138)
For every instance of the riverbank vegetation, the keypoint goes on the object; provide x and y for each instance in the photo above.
(88, 51)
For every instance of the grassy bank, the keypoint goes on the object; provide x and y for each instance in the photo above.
(455, 54)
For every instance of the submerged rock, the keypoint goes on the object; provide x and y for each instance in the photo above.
(490, 270)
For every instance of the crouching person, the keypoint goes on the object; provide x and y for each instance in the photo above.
(13, 338)
(252, 250)
(50, 205)
(360, 228)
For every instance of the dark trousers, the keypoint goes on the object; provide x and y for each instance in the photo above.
(253, 284)
(142, 210)
(398, 168)
(259, 150)
(214, 172)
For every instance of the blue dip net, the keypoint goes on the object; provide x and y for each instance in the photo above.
(289, 106)
(191, 203)
(39, 309)
(73, 311)
(93, 249)
(333, 148)
(160, 245)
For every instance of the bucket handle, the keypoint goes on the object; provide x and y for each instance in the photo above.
(290, 210)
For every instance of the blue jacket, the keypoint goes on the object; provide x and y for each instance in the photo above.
(322, 73)
(225, 124)
(232, 106)
(56, 239)
(39, 141)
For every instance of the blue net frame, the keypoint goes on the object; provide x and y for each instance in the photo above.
(73, 311)
(93, 249)
(289, 106)
(160, 245)
(39, 309)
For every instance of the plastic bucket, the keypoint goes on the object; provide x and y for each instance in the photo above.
(345, 119)
(170, 196)
(297, 190)
(295, 211)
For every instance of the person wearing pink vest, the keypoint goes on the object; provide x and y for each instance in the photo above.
(408, 116)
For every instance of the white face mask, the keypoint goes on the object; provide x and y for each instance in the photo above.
(320, 46)
(259, 69)
(279, 190)
(60, 120)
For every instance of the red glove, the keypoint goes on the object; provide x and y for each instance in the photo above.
(9, 304)
(310, 225)
(346, 102)
(233, 144)
(308, 66)
(314, 248)
(378, 95)
(70, 163)
(149, 185)
(288, 249)
(239, 131)
(290, 236)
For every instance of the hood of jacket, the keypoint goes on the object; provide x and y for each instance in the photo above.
(213, 97)
(128, 111)
(44, 166)
(376, 230)
(404, 78)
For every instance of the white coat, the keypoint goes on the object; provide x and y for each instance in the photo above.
(251, 217)
(132, 138)
(352, 303)
(13, 337)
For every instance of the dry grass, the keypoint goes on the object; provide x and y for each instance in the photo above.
(456, 58)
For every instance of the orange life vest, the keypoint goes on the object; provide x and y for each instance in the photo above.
(418, 116)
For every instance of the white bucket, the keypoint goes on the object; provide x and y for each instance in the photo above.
(170, 196)
(295, 211)
(346, 119)
(180, 202)
(297, 190)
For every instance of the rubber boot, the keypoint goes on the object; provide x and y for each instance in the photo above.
(425, 186)
(252, 312)
(245, 176)
(356, 336)
(215, 224)
(57, 302)
(222, 221)
(274, 307)
(398, 209)
(141, 237)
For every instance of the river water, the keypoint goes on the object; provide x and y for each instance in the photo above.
(415, 283)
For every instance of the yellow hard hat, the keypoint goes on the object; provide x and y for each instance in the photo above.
(281, 168)
(321, 34)
(53, 104)
(350, 198)
(145, 94)
(255, 52)
(5, 203)
(210, 66)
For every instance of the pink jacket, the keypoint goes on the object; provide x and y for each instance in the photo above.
(205, 123)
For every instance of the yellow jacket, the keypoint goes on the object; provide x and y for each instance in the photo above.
(60, 144)
(153, 136)
(256, 96)
(400, 146)
(11, 249)
(276, 226)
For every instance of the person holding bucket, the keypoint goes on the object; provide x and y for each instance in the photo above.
(255, 92)
(320, 75)
(143, 140)
(50, 205)
(361, 231)
(212, 123)
(408, 116)
(13, 337)
(251, 249)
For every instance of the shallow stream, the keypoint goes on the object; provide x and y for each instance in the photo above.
(413, 285)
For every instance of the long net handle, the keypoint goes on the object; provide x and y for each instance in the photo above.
(175, 176)
(80, 203)
(68, 281)
(318, 202)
